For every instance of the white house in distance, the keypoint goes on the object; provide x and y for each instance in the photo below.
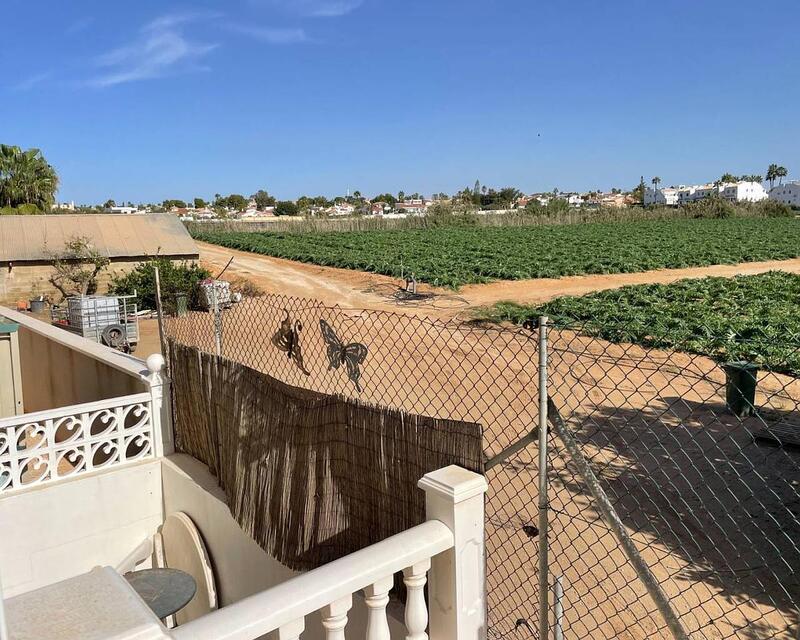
(124, 210)
(667, 196)
(742, 191)
(788, 193)
(414, 206)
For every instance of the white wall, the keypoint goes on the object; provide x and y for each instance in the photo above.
(788, 193)
(61, 530)
(241, 567)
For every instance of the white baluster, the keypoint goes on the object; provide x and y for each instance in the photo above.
(334, 618)
(415, 578)
(292, 630)
(377, 597)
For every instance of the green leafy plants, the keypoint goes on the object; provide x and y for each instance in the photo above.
(750, 318)
(456, 255)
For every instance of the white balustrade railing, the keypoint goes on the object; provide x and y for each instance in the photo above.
(46, 446)
(449, 545)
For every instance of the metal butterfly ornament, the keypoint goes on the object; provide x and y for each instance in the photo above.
(350, 355)
(287, 339)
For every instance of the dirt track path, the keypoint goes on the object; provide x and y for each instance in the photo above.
(367, 290)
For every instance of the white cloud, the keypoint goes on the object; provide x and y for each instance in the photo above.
(32, 81)
(160, 49)
(172, 20)
(271, 34)
(317, 8)
(330, 8)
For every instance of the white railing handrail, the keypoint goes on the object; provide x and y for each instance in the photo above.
(292, 600)
(74, 409)
(124, 362)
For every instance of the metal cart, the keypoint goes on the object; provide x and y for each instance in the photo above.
(109, 320)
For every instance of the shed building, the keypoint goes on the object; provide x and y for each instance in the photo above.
(29, 243)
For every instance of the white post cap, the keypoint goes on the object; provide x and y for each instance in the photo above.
(155, 363)
(454, 483)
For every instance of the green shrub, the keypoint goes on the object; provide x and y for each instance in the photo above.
(445, 215)
(774, 209)
(21, 210)
(175, 278)
(714, 207)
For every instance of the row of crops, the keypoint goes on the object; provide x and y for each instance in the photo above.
(452, 256)
(753, 318)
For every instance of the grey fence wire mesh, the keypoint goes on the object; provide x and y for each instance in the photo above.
(712, 505)
(711, 499)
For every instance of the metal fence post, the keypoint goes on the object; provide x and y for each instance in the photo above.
(215, 309)
(558, 632)
(618, 528)
(544, 581)
(160, 314)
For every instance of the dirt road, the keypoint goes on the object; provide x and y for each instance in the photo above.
(372, 291)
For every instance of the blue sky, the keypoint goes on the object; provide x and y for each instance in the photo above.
(153, 99)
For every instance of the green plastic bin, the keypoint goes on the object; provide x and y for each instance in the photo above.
(740, 387)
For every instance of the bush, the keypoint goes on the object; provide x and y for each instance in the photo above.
(712, 207)
(286, 208)
(21, 210)
(774, 209)
(175, 278)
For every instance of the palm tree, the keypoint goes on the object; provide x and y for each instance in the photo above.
(772, 174)
(656, 181)
(781, 173)
(26, 178)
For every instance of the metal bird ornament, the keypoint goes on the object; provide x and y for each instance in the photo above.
(287, 339)
(350, 355)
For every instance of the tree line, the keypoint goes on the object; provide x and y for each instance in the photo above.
(28, 184)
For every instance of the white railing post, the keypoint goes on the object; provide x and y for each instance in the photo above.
(334, 617)
(416, 617)
(376, 597)
(457, 581)
(291, 630)
(161, 413)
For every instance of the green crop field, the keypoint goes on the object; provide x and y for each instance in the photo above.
(753, 318)
(453, 256)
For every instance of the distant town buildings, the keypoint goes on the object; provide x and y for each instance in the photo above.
(671, 196)
(741, 191)
(417, 206)
(667, 196)
(616, 200)
(788, 193)
(380, 208)
(342, 209)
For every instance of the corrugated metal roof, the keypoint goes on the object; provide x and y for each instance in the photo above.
(37, 237)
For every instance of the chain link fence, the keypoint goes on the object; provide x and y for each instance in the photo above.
(710, 500)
